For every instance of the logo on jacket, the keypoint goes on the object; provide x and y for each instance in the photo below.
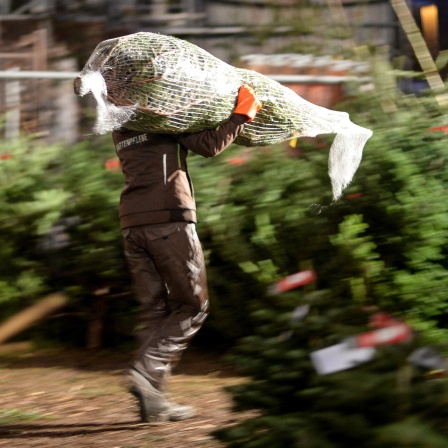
(131, 141)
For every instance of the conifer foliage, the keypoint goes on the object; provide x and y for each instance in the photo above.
(386, 402)
(382, 248)
(58, 230)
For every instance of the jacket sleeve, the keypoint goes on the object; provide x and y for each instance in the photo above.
(211, 143)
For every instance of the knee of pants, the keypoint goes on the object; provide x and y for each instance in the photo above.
(191, 317)
(202, 314)
(191, 298)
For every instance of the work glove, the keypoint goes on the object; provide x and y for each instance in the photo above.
(247, 103)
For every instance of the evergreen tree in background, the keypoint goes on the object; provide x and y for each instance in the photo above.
(384, 403)
(58, 231)
(382, 248)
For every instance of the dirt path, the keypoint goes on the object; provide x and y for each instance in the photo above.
(79, 400)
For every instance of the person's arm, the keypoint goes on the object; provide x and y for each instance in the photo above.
(211, 143)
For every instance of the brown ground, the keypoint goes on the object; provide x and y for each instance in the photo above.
(78, 399)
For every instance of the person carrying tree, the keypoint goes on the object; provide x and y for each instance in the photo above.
(157, 217)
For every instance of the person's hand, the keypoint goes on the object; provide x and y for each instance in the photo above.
(247, 103)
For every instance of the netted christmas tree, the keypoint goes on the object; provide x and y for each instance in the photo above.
(156, 83)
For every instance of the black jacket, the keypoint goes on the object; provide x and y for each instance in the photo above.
(157, 187)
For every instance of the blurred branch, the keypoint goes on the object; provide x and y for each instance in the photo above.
(421, 51)
(30, 315)
(442, 59)
(339, 16)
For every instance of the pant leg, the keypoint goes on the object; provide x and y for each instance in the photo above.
(178, 260)
(149, 287)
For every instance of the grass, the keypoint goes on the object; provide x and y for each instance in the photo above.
(10, 416)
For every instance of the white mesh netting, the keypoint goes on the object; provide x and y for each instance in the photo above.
(156, 83)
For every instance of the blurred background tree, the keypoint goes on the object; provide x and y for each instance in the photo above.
(58, 231)
(382, 247)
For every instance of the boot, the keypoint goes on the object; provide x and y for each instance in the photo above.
(153, 405)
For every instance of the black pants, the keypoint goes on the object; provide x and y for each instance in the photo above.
(168, 270)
